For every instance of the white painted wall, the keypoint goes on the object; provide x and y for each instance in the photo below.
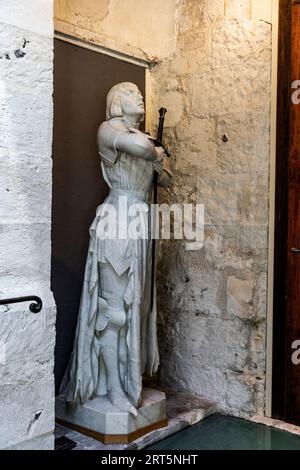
(26, 339)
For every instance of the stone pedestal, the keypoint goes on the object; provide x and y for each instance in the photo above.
(99, 419)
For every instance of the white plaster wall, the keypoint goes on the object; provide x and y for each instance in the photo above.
(26, 339)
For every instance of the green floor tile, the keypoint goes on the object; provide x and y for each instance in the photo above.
(224, 433)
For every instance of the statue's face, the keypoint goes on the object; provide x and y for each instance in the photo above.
(133, 103)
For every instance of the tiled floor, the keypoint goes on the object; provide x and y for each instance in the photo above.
(223, 433)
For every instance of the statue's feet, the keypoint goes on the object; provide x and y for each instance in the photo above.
(119, 399)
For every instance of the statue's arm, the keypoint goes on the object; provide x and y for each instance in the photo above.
(111, 141)
(137, 145)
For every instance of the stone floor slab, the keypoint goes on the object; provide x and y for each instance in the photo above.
(183, 410)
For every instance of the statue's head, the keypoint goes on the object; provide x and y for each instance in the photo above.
(125, 100)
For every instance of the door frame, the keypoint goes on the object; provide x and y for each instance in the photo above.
(278, 221)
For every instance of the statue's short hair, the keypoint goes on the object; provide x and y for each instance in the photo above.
(114, 99)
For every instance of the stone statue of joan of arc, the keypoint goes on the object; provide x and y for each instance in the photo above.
(116, 338)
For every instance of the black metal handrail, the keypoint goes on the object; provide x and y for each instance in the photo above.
(34, 307)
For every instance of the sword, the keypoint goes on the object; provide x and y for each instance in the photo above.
(160, 130)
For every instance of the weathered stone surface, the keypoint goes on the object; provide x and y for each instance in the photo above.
(25, 187)
(246, 145)
(25, 259)
(21, 125)
(262, 11)
(29, 14)
(233, 199)
(215, 341)
(239, 297)
(128, 26)
(174, 102)
(240, 395)
(212, 303)
(26, 57)
(26, 344)
(197, 146)
(238, 8)
(220, 250)
(242, 43)
(260, 295)
(26, 112)
(257, 345)
(44, 442)
(27, 411)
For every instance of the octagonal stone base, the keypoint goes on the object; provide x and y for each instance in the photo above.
(99, 419)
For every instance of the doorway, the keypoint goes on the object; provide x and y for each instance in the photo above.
(286, 359)
(82, 79)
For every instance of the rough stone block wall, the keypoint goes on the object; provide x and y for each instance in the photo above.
(212, 302)
(26, 339)
(135, 28)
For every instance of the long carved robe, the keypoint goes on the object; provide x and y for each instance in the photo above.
(129, 175)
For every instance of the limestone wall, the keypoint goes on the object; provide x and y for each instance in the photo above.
(213, 76)
(142, 29)
(212, 303)
(26, 339)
